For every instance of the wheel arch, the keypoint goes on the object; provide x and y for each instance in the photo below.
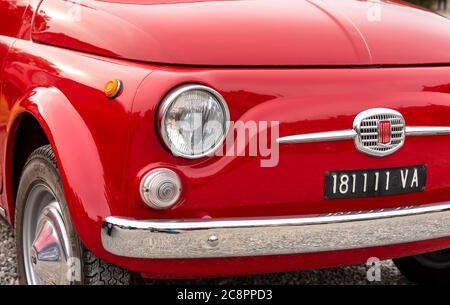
(61, 126)
(26, 135)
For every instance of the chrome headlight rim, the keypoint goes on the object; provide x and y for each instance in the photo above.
(170, 98)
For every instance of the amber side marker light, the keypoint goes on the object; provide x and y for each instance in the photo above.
(113, 88)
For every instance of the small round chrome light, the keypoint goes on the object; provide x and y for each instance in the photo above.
(193, 121)
(160, 188)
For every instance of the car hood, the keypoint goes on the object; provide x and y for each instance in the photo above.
(248, 32)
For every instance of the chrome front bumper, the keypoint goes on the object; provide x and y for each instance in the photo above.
(208, 238)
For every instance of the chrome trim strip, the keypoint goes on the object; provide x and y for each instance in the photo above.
(273, 236)
(177, 225)
(427, 130)
(319, 137)
(351, 134)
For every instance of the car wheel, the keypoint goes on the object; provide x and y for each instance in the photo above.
(49, 250)
(430, 268)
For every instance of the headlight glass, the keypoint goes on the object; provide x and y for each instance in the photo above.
(194, 121)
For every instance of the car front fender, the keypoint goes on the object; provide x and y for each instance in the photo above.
(78, 159)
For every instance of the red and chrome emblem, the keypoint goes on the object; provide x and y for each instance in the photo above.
(384, 132)
(379, 131)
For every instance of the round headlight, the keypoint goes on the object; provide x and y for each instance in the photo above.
(193, 121)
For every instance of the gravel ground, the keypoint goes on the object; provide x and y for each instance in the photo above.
(8, 270)
(354, 275)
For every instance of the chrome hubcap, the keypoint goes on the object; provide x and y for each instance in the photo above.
(45, 240)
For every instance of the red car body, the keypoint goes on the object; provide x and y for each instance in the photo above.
(311, 65)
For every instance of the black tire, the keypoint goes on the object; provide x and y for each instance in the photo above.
(41, 168)
(426, 269)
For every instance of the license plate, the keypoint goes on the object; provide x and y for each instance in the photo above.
(375, 182)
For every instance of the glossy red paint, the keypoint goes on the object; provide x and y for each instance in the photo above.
(104, 146)
(250, 33)
(306, 100)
